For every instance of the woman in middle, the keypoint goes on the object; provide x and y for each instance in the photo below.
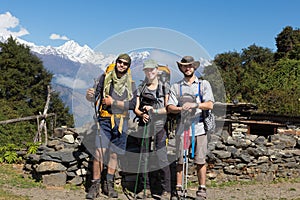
(150, 109)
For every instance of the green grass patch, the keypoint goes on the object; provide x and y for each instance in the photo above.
(13, 176)
(214, 184)
(283, 180)
(73, 187)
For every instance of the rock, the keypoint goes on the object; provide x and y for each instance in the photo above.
(241, 157)
(49, 166)
(77, 180)
(69, 139)
(55, 179)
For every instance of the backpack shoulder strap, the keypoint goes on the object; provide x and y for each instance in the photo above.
(199, 91)
(142, 87)
(161, 89)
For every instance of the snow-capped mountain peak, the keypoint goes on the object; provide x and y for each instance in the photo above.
(76, 52)
(70, 50)
(71, 46)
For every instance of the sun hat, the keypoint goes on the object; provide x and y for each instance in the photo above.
(150, 64)
(187, 60)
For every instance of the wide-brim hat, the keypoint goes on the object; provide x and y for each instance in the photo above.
(187, 60)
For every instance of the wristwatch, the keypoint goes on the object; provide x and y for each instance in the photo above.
(115, 103)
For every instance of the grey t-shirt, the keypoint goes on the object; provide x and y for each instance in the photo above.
(158, 96)
(180, 88)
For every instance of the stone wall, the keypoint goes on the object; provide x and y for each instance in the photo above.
(63, 160)
(242, 156)
(238, 156)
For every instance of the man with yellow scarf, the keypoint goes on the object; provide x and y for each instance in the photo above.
(114, 95)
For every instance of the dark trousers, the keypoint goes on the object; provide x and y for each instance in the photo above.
(155, 158)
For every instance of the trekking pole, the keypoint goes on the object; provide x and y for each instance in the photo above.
(139, 164)
(186, 142)
(193, 140)
(146, 160)
(97, 103)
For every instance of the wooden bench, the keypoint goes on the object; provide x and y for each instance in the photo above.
(252, 125)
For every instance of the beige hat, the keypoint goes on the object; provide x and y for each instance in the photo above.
(150, 64)
(187, 60)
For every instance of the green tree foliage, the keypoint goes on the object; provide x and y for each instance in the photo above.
(23, 92)
(213, 75)
(270, 80)
(256, 63)
(231, 71)
(288, 44)
(283, 88)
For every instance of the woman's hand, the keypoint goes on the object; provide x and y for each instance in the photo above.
(146, 118)
(147, 108)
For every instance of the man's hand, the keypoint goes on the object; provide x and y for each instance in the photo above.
(90, 94)
(189, 105)
(108, 100)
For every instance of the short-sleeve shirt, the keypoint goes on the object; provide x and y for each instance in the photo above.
(182, 87)
(159, 94)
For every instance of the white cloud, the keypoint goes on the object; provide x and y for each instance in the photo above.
(55, 36)
(71, 82)
(7, 22)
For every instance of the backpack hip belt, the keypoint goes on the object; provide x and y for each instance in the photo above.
(106, 114)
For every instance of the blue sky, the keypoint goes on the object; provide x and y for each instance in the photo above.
(218, 26)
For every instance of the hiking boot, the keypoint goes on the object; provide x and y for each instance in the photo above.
(201, 193)
(178, 194)
(111, 190)
(104, 187)
(144, 194)
(165, 195)
(93, 191)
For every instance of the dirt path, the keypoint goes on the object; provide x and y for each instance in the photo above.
(280, 191)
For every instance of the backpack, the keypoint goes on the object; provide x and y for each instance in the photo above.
(209, 120)
(164, 75)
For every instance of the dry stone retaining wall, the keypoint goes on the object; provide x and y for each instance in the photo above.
(231, 157)
(241, 156)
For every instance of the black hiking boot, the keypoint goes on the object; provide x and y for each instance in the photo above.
(177, 194)
(93, 191)
(111, 190)
(201, 194)
(144, 194)
(104, 187)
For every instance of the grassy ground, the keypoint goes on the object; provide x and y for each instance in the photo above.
(15, 185)
(11, 176)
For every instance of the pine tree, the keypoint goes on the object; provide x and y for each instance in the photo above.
(23, 92)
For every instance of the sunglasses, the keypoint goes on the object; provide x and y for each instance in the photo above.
(124, 63)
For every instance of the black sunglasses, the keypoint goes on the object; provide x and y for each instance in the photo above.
(124, 63)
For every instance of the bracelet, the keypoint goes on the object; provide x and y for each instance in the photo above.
(156, 111)
(115, 103)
